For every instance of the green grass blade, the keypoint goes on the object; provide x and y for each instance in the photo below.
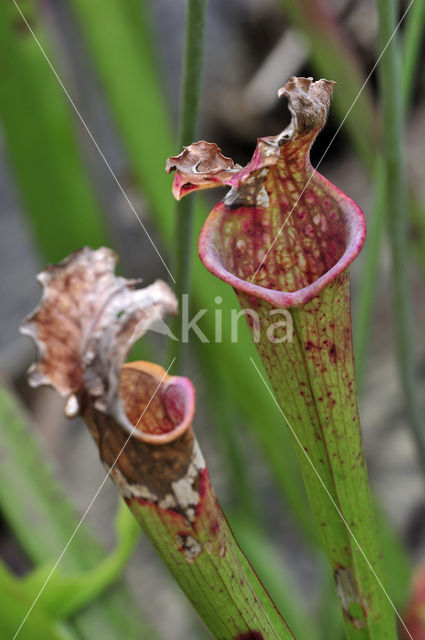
(399, 569)
(119, 39)
(192, 70)
(365, 306)
(393, 153)
(412, 41)
(415, 21)
(226, 419)
(189, 116)
(329, 619)
(40, 142)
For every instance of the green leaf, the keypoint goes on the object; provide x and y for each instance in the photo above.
(43, 521)
(188, 125)
(40, 139)
(16, 600)
(64, 594)
(393, 155)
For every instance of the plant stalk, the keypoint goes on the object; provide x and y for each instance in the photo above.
(415, 22)
(140, 419)
(412, 41)
(189, 116)
(43, 521)
(166, 485)
(363, 318)
(283, 238)
(390, 79)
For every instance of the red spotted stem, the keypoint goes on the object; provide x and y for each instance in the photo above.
(166, 485)
(283, 238)
(141, 421)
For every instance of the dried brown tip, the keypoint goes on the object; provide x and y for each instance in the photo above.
(200, 165)
(85, 324)
(200, 157)
(308, 103)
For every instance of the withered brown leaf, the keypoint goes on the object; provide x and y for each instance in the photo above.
(86, 322)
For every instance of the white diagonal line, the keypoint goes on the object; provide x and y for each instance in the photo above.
(333, 138)
(333, 501)
(90, 505)
(92, 138)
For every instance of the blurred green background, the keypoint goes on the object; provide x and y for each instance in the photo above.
(121, 63)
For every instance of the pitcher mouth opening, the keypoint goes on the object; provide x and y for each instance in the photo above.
(159, 407)
(284, 254)
(282, 232)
